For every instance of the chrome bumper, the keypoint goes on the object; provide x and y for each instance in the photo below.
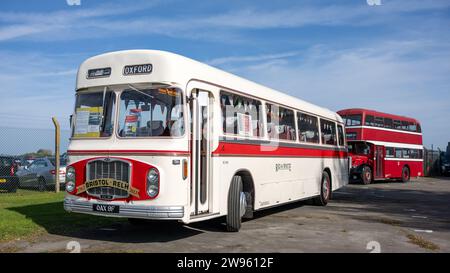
(126, 210)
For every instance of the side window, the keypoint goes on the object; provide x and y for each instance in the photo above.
(419, 129)
(398, 152)
(379, 121)
(280, 122)
(352, 120)
(308, 127)
(352, 136)
(370, 120)
(389, 152)
(341, 135)
(412, 127)
(328, 131)
(397, 124)
(388, 123)
(240, 115)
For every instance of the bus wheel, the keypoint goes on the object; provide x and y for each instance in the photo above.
(366, 175)
(236, 204)
(406, 175)
(325, 191)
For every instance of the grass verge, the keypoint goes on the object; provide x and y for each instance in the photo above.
(27, 214)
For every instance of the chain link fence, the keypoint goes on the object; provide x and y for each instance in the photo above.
(432, 162)
(27, 161)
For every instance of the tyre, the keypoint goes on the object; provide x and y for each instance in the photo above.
(42, 184)
(236, 205)
(325, 191)
(406, 174)
(366, 175)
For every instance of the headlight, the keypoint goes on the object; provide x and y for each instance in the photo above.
(152, 183)
(70, 186)
(70, 174)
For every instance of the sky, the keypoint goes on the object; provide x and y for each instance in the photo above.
(393, 57)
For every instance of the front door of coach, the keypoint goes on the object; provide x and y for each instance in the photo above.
(201, 111)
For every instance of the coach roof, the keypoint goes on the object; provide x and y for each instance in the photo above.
(173, 68)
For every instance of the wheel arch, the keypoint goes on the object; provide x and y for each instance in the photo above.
(247, 183)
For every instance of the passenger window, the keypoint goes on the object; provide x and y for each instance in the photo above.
(389, 152)
(397, 124)
(398, 153)
(370, 120)
(328, 131)
(341, 135)
(240, 115)
(379, 122)
(280, 122)
(388, 123)
(308, 127)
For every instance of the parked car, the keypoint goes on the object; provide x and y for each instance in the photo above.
(41, 174)
(8, 174)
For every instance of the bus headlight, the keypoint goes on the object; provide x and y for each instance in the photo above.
(70, 186)
(152, 183)
(70, 179)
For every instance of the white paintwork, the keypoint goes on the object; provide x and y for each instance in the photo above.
(271, 187)
(396, 145)
(384, 129)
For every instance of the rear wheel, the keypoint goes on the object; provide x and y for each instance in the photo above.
(237, 204)
(325, 191)
(42, 185)
(406, 174)
(366, 175)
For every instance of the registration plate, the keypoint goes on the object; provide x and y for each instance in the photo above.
(2, 180)
(105, 208)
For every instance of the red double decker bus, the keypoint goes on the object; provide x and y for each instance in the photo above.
(383, 146)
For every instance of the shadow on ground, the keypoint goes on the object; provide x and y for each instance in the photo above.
(401, 204)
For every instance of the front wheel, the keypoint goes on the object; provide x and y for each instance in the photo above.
(325, 191)
(406, 175)
(366, 175)
(237, 204)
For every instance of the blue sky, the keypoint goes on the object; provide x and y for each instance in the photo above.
(394, 57)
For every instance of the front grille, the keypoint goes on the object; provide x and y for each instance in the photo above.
(108, 168)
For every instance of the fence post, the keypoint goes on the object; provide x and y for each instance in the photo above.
(57, 138)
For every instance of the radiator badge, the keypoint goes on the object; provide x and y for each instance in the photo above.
(108, 182)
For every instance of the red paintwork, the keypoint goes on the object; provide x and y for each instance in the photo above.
(139, 172)
(364, 112)
(241, 149)
(369, 134)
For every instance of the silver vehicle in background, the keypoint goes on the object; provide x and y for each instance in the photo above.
(41, 174)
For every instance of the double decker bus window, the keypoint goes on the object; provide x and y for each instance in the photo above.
(328, 132)
(352, 120)
(352, 136)
(237, 109)
(389, 152)
(379, 122)
(412, 127)
(308, 127)
(280, 122)
(388, 123)
(370, 120)
(397, 124)
(419, 129)
(398, 152)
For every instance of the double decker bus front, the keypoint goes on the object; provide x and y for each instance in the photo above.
(129, 152)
